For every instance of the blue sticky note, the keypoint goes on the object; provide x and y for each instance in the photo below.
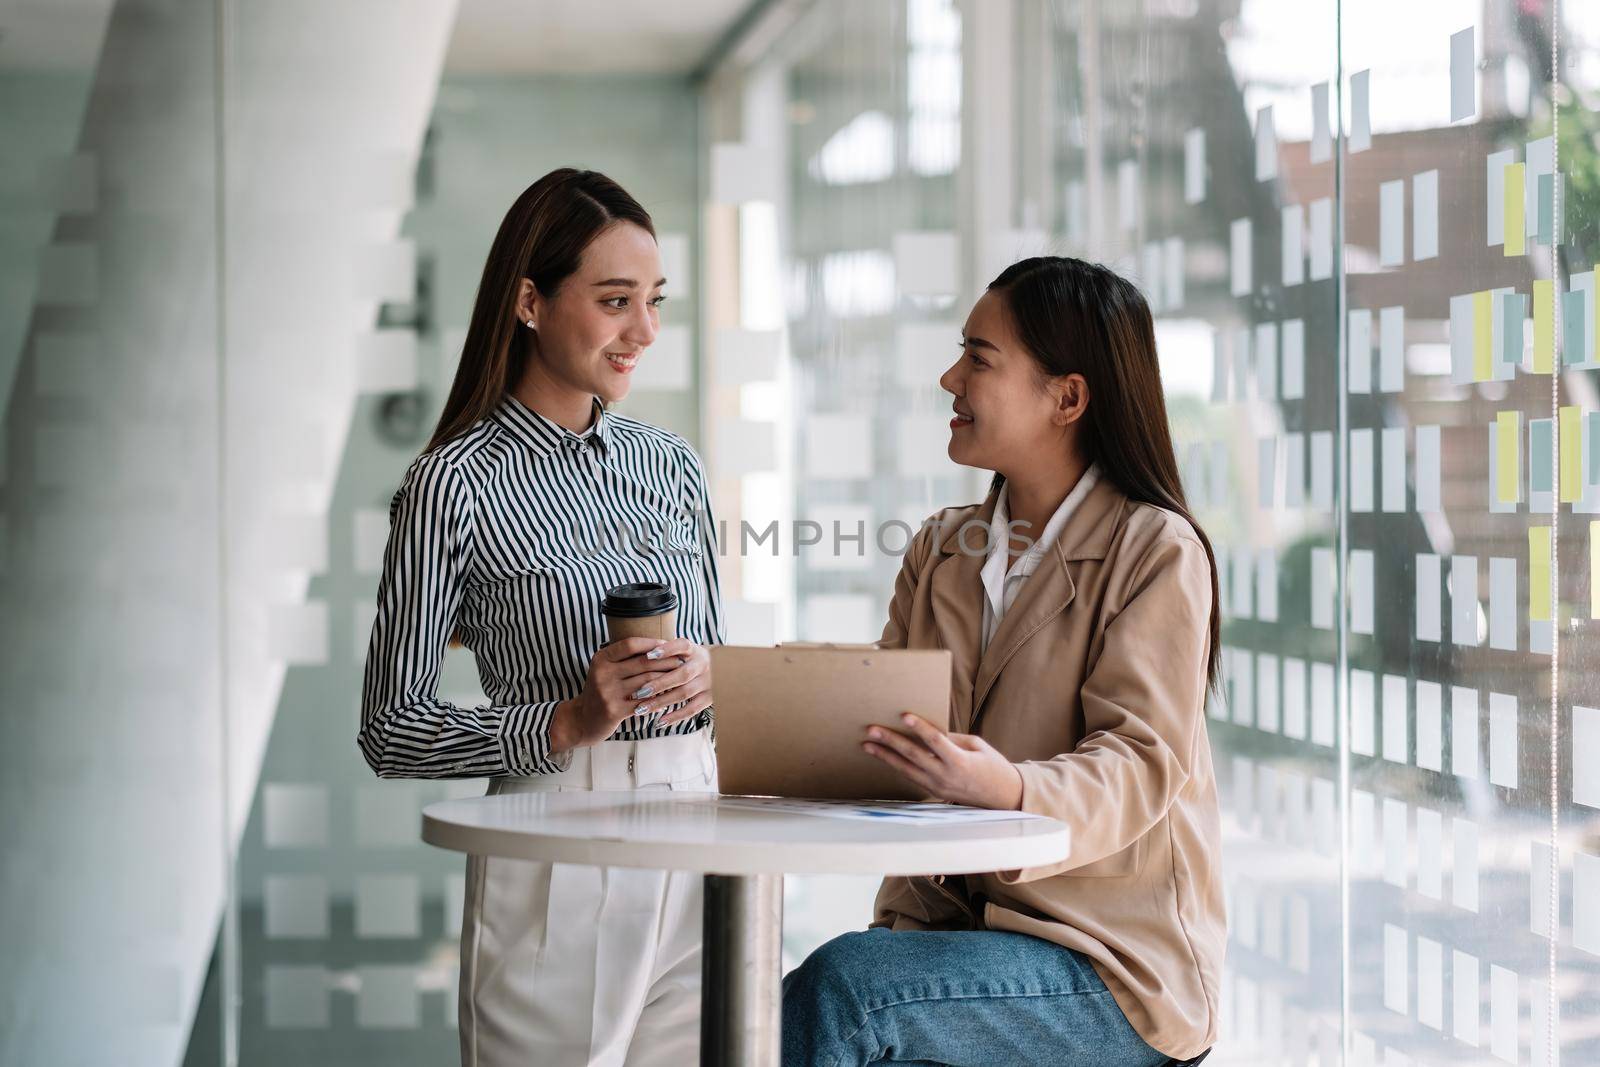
(1591, 430)
(1539, 445)
(1546, 208)
(1572, 309)
(1513, 308)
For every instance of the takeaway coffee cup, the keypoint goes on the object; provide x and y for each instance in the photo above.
(642, 609)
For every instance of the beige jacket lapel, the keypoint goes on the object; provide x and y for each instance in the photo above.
(1046, 594)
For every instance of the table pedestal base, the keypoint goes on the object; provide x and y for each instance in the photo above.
(742, 971)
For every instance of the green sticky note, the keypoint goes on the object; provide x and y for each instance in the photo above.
(1547, 208)
(1572, 339)
(1591, 430)
(1539, 444)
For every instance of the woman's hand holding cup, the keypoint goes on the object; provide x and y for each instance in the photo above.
(633, 676)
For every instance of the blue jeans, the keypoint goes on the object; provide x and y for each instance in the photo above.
(983, 998)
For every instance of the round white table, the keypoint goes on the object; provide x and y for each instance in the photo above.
(743, 846)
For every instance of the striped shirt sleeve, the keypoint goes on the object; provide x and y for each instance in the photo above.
(406, 730)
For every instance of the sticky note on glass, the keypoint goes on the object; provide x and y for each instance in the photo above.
(1572, 321)
(1392, 223)
(1513, 312)
(1544, 326)
(1539, 573)
(1571, 454)
(1360, 111)
(1545, 211)
(1513, 202)
(1507, 427)
(1541, 444)
(1594, 569)
(1194, 166)
(1239, 256)
(1482, 336)
(1494, 203)
(1463, 75)
(1425, 215)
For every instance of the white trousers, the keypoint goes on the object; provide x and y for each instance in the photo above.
(567, 965)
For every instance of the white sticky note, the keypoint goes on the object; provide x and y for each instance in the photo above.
(920, 442)
(1324, 819)
(1495, 217)
(1430, 853)
(1322, 588)
(1466, 997)
(1361, 470)
(1294, 470)
(1586, 756)
(1267, 693)
(1430, 983)
(1396, 842)
(1322, 470)
(1151, 276)
(1425, 215)
(1267, 473)
(1244, 582)
(739, 173)
(1294, 253)
(1540, 858)
(297, 997)
(1366, 859)
(388, 905)
(388, 998)
(1392, 349)
(296, 905)
(848, 617)
(924, 350)
(386, 361)
(1363, 704)
(839, 446)
(1586, 902)
(1265, 349)
(1463, 75)
(667, 364)
(1128, 194)
(745, 446)
(1504, 1010)
(1239, 257)
(1360, 111)
(1362, 596)
(1394, 469)
(674, 249)
(1396, 970)
(1503, 603)
(1172, 261)
(1427, 474)
(1267, 585)
(1321, 266)
(1464, 600)
(297, 634)
(1194, 166)
(1392, 223)
(1396, 719)
(1321, 127)
(1221, 365)
(1359, 336)
(1243, 364)
(1322, 704)
(1503, 739)
(1430, 725)
(1294, 697)
(1464, 864)
(1293, 345)
(1428, 597)
(745, 356)
(1464, 731)
(1266, 146)
(927, 262)
(1462, 359)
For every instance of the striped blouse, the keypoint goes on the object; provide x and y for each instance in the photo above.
(508, 536)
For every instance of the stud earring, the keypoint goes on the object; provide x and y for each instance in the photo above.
(530, 324)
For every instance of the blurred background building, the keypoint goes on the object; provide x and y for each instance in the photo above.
(240, 244)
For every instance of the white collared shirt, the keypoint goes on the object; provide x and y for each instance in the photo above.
(1000, 585)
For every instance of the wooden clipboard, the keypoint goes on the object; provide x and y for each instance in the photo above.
(791, 718)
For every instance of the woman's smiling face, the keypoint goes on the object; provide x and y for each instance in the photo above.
(602, 318)
(1006, 411)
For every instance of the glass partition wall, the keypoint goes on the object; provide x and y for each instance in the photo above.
(241, 248)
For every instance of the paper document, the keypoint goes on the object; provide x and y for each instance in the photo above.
(876, 811)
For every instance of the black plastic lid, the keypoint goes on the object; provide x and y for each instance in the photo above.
(639, 600)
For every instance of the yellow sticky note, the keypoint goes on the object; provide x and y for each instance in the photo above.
(1571, 428)
(1516, 242)
(1482, 336)
(1544, 326)
(1594, 569)
(1539, 573)
(1506, 427)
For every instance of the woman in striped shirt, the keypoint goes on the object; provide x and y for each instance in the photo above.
(530, 501)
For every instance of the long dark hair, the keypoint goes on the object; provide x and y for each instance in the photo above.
(1080, 318)
(542, 238)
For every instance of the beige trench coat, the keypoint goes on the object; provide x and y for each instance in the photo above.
(1094, 685)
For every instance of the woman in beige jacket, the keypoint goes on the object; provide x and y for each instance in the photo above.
(1079, 600)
